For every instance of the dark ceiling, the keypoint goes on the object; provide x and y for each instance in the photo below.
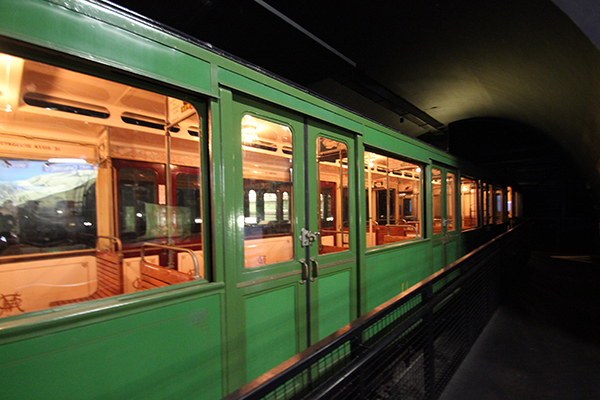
(513, 84)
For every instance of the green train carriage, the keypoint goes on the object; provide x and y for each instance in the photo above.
(175, 222)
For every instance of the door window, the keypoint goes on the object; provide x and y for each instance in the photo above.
(267, 154)
(436, 192)
(450, 204)
(469, 203)
(443, 187)
(332, 172)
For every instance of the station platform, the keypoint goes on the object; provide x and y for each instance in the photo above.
(544, 340)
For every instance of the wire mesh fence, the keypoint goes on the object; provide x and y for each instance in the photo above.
(408, 348)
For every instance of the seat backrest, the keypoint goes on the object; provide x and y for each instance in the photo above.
(110, 271)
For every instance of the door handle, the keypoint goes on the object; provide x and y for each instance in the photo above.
(315, 269)
(304, 271)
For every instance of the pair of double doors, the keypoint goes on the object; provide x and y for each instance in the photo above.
(299, 280)
(444, 215)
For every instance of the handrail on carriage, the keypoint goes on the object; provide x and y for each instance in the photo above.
(166, 247)
(113, 239)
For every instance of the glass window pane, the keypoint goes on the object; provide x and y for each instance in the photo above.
(42, 206)
(450, 202)
(469, 203)
(393, 199)
(64, 134)
(332, 170)
(509, 202)
(487, 204)
(270, 202)
(436, 193)
(139, 210)
(189, 206)
(517, 204)
(267, 170)
(287, 211)
(499, 205)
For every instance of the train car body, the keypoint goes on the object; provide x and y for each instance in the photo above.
(174, 222)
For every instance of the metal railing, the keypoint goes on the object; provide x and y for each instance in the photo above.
(172, 248)
(409, 347)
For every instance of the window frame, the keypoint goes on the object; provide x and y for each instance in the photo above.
(421, 194)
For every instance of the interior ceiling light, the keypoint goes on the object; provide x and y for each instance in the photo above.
(249, 127)
(11, 71)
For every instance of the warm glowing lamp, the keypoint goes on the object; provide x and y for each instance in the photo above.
(11, 71)
(249, 127)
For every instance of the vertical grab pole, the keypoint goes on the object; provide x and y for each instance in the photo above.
(168, 188)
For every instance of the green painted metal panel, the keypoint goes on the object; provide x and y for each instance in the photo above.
(267, 89)
(392, 270)
(58, 28)
(451, 251)
(144, 356)
(270, 329)
(396, 143)
(334, 302)
(437, 254)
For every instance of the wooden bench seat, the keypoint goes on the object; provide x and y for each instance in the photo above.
(110, 278)
(394, 239)
(153, 276)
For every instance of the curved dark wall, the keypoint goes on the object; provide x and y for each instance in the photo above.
(556, 195)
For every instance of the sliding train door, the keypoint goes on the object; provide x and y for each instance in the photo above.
(331, 215)
(444, 216)
(297, 276)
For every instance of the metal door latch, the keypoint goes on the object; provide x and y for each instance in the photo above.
(307, 237)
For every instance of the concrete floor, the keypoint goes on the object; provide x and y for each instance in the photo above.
(544, 341)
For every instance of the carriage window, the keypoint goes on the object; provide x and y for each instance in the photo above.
(332, 170)
(510, 202)
(270, 202)
(516, 204)
(89, 170)
(393, 199)
(469, 203)
(189, 206)
(499, 205)
(286, 206)
(138, 212)
(267, 155)
(46, 206)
